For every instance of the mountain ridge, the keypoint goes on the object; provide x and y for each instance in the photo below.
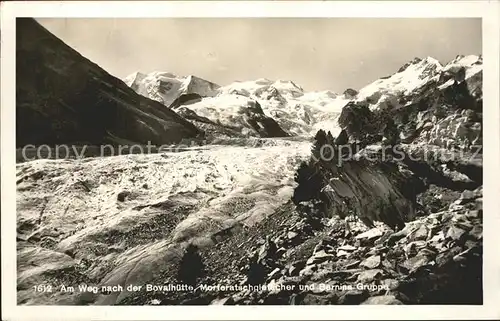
(292, 108)
(64, 98)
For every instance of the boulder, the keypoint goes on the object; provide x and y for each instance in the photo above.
(383, 300)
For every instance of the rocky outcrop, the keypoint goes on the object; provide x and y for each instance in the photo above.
(185, 99)
(342, 184)
(263, 124)
(444, 114)
(63, 98)
(231, 115)
(421, 157)
(350, 93)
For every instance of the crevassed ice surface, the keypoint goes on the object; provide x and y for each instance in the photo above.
(214, 169)
(216, 187)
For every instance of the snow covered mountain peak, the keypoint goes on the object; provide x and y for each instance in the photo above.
(417, 61)
(297, 111)
(467, 59)
(166, 87)
(416, 74)
(410, 77)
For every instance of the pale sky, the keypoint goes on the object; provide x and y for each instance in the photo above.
(316, 53)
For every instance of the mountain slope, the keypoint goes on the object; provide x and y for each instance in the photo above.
(414, 76)
(63, 98)
(382, 207)
(244, 115)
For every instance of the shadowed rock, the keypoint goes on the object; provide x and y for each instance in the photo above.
(63, 98)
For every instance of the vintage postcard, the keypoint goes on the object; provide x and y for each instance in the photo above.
(186, 160)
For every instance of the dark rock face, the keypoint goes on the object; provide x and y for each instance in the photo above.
(370, 189)
(63, 98)
(264, 125)
(355, 119)
(185, 99)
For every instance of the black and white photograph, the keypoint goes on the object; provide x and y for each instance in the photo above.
(174, 161)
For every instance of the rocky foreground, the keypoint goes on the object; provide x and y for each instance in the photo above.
(269, 222)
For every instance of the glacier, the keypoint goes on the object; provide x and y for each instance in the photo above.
(254, 201)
